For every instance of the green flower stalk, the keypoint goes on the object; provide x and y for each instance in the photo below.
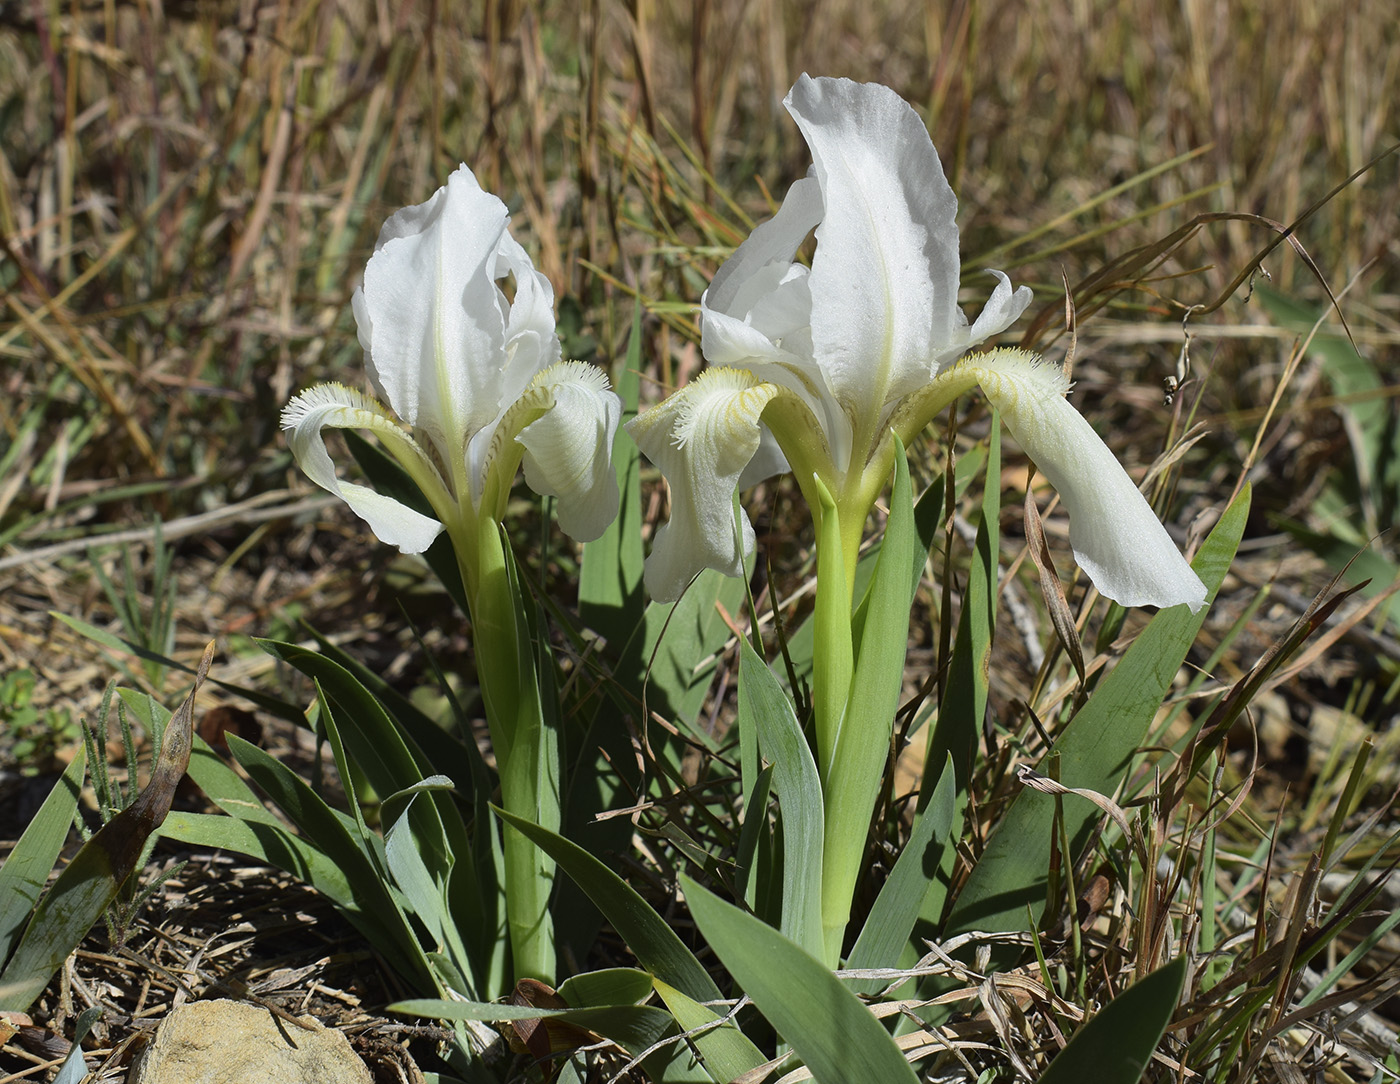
(828, 371)
(476, 378)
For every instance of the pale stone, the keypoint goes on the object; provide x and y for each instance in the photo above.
(232, 1042)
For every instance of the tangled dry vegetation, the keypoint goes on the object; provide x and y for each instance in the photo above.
(189, 191)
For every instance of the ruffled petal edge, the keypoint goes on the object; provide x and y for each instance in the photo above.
(568, 449)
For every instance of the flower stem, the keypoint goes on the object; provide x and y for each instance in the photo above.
(526, 758)
(833, 658)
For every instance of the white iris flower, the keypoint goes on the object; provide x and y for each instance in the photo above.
(474, 374)
(814, 369)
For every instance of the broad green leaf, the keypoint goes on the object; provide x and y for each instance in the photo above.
(333, 834)
(425, 892)
(764, 706)
(270, 842)
(633, 1027)
(26, 870)
(646, 933)
(1096, 750)
(415, 881)
(891, 920)
(91, 881)
(610, 986)
(375, 743)
(1115, 1046)
(826, 1025)
(726, 1051)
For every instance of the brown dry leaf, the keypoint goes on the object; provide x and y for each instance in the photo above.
(1050, 586)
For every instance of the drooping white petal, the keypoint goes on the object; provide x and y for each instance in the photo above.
(430, 315)
(765, 257)
(702, 437)
(339, 407)
(568, 451)
(1117, 538)
(885, 276)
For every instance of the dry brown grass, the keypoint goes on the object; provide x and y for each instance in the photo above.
(188, 194)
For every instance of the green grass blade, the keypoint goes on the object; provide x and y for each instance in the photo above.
(826, 1025)
(1115, 1046)
(646, 933)
(91, 881)
(956, 733)
(764, 706)
(1096, 751)
(751, 834)
(26, 870)
(680, 643)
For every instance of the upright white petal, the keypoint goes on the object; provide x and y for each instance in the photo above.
(1117, 538)
(885, 276)
(431, 316)
(1002, 309)
(568, 451)
(702, 437)
(757, 312)
(531, 344)
(339, 407)
(766, 256)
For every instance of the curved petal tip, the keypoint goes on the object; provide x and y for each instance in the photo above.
(1116, 537)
